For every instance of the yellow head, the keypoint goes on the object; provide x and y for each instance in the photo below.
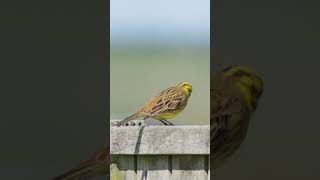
(187, 87)
(247, 81)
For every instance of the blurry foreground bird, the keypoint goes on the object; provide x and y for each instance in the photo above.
(166, 105)
(234, 95)
(95, 166)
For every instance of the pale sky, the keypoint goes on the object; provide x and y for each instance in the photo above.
(160, 21)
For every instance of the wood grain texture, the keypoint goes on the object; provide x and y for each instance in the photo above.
(153, 167)
(126, 166)
(158, 139)
(209, 168)
(186, 167)
(158, 152)
(161, 167)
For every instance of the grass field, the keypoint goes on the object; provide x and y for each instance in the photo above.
(139, 73)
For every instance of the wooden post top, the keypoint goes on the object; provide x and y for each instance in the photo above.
(160, 140)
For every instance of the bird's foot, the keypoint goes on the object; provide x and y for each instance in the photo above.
(135, 123)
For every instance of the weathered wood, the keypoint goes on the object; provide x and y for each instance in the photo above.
(162, 167)
(158, 152)
(188, 167)
(158, 139)
(126, 165)
(209, 167)
(152, 167)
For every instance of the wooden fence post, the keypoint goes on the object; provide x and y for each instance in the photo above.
(158, 152)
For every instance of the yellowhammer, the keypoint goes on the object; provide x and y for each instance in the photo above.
(235, 92)
(166, 105)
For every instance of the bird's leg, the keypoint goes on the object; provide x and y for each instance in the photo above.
(163, 121)
(169, 123)
(145, 121)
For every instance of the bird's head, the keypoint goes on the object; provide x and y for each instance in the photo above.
(247, 81)
(187, 87)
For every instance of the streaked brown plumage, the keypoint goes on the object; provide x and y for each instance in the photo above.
(166, 105)
(235, 92)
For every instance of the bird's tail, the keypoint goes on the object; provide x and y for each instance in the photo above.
(134, 116)
(95, 166)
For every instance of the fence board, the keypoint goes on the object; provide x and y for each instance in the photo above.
(153, 167)
(126, 166)
(160, 140)
(186, 167)
(161, 152)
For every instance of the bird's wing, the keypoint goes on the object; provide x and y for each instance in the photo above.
(225, 115)
(169, 99)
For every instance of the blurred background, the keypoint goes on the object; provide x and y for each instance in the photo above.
(283, 46)
(54, 92)
(156, 45)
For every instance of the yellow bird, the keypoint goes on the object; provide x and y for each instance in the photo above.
(166, 105)
(235, 92)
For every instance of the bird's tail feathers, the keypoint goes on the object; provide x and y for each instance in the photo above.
(134, 116)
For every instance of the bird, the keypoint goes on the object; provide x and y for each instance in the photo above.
(166, 105)
(234, 95)
(96, 165)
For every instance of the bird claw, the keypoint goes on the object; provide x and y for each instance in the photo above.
(135, 123)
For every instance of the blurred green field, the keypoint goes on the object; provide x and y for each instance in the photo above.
(139, 73)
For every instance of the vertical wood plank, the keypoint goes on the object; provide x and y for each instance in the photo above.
(189, 167)
(153, 167)
(209, 167)
(126, 166)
